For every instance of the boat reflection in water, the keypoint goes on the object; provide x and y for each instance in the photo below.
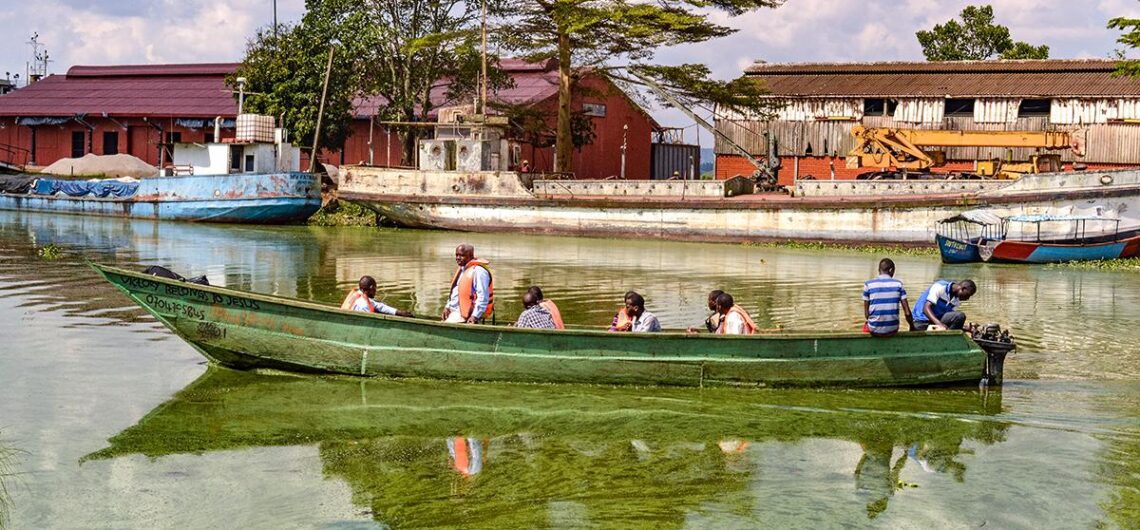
(419, 453)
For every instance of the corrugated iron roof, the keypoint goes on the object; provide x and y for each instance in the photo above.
(151, 70)
(534, 82)
(183, 91)
(1045, 78)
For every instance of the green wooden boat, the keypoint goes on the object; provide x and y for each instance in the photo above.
(246, 330)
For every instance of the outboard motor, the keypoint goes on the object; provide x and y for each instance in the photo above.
(163, 272)
(997, 343)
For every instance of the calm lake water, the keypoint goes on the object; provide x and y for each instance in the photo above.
(107, 420)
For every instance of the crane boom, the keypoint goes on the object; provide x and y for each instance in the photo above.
(664, 94)
(883, 147)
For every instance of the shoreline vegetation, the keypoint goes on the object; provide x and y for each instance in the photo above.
(343, 213)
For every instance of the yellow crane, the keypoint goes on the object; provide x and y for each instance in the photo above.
(889, 149)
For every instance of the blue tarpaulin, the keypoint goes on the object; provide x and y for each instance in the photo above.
(80, 188)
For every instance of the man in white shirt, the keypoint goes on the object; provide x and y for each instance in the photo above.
(472, 295)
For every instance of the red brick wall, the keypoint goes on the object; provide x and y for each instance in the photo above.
(139, 138)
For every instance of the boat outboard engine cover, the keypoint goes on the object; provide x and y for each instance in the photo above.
(163, 272)
(997, 343)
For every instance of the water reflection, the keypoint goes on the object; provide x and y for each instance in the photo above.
(419, 453)
(7, 474)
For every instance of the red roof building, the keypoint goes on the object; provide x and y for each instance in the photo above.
(141, 110)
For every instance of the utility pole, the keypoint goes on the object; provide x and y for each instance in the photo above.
(624, 144)
(321, 113)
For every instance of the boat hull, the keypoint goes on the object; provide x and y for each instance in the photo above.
(1034, 252)
(491, 202)
(240, 198)
(244, 330)
(957, 251)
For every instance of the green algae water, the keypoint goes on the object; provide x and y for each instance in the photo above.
(107, 420)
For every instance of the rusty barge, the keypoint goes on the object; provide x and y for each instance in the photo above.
(891, 212)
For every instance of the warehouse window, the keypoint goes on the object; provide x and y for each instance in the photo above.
(594, 109)
(1034, 107)
(879, 106)
(959, 107)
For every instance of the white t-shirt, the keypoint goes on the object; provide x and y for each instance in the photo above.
(733, 324)
(363, 303)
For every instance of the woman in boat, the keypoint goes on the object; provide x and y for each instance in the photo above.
(734, 320)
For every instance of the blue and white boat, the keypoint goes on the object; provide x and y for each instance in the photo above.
(253, 181)
(980, 235)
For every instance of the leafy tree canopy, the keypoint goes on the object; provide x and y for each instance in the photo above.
(395, 49)
(614, 38)
(975, 38)
(1129, 37)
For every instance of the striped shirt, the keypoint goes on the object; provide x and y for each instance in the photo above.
(885, 295)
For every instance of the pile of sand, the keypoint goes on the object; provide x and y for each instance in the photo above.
(92, 165)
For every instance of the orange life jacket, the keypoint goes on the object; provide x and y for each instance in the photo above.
(749, 325)
(350, 301)
(555, 315)
(622, 319)
(468, 460)
(465, 278)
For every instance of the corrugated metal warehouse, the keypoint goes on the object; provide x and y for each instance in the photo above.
(816, 105)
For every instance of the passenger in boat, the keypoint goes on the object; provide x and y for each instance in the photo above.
(634, 317)
(937, 307)
(734, 320)
(472, 297)
(534, 316)
(363, 299)
(713, 321)
(623, 320)
(883, 295)
(548, 305)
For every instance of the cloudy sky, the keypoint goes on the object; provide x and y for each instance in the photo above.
(177, 31)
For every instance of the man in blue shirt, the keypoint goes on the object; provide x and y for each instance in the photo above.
(937, 308)
(883, 296)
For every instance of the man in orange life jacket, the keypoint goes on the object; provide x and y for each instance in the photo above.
(734, 320)
(472, 289)
(363, 299)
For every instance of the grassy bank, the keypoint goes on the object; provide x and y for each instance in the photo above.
(861, 249)
(1116, 265)
(340, 213)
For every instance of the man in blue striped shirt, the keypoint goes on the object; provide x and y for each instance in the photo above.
(882, 298)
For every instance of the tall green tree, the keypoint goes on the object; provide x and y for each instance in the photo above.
(395, 49)
(975, 38)
(618, 38)
(1129, 37)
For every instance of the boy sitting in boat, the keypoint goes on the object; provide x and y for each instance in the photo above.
(883, 296)
(937, 307)
(634, 317)
(363, 299)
